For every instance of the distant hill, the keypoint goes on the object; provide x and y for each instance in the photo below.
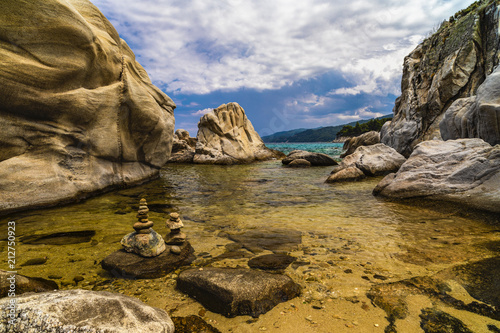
(322, 134)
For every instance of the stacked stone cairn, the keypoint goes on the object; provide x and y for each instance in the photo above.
(144, 241)
(175, 237)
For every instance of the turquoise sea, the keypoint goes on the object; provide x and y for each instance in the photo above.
(329, 148)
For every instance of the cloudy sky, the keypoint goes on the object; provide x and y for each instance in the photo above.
(290, 64)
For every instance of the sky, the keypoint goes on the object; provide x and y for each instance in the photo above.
(289, 63)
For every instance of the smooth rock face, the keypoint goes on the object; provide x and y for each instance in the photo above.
(183, 148)
(299, 163)
(465, 171)
(86, 311)
(449, 65)
(233, 292)
(24, 284)
(373, 160)
(132, 266)
(316, 159)
(145, 245)
(226, 136)
(477, 116)
(365, 139)
(78, 114)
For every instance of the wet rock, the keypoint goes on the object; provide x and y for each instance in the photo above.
(60, 238)
(466, 171)
(233, 292)
(24, 284)
(366, 139)
(175, 249)
(271, 262)
(316, 159)
(191, 324)
(132, 266)
(348, 174)
(436, 321)
(35, 261)
(263, 239)
(299, 163)
(83, 310)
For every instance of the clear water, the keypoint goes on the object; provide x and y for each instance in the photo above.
(342, 226)
(329, 148)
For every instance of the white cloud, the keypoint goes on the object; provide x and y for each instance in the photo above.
(200, 46)
(202, 112)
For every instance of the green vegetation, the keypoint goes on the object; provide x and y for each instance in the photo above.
(358, 129)
(322, 134)
(472, 7)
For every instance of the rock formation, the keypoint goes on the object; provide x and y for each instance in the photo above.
(477, 116)
(175, 237)
(144, 241)
(183, 148)
(373, 160)
(233, 292)
(84, 311)
(23, 284)
(365, 139)
(316, 159)
(466, 171)
(449, 65)
(226, 136)
(78, 114)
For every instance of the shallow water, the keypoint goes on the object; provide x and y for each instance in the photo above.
(349, 240)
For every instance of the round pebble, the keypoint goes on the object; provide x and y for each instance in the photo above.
(175, 249)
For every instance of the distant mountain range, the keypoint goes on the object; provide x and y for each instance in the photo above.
(321, 134)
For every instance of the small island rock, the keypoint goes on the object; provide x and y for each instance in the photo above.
(316, 159)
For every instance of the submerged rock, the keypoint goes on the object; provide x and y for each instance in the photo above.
(234, 292)
(316, 159)
(226, 136)
(257, 241)
(85, 311)
(273, 262)
(79, 115)
(466, 171)
(373, 160)
(192, 324)
(133, 266)
(24, 284)
(60, 238)
(365, 139)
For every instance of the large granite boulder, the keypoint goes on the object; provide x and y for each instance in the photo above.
(78, 114)
(16, 284)
(477, 116)
(83, 311)
(449, 65)
(373, 160)
(365, 139)
(316, 159)
(226, 136)
(235, 291)
(183, 148)
(466, 171)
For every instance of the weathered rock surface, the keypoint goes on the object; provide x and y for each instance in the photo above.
(465, 171)
(365, 139)
(449, 65)
(299, 163)
(233, 292)
(316, 159)
(192, 324)
(226, 136)
(477, 116)
(145, 245)
(373, 160)
(132, 266)
(183, 148)
(78, 114)
(24, 284)
(85, 311)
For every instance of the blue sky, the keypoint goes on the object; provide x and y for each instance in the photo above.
(289, 64)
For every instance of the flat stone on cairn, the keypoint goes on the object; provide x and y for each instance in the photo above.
(175, 237)
(144, 241)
